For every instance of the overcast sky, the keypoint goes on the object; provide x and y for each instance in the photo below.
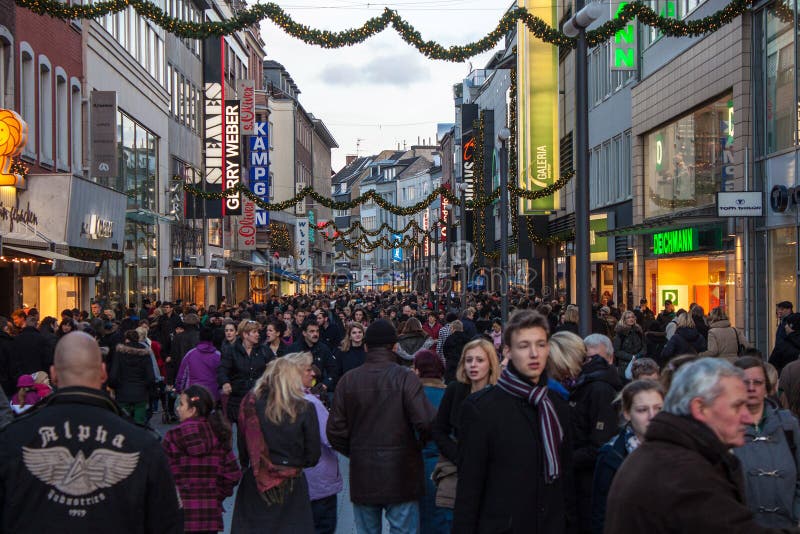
(383, 91)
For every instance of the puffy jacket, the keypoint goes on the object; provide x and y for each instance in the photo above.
(205, 473)
(75, 465)
(684, 341)
(723, 340)
(628, 343)
(381, 418)
(769, 460)
(241, 372)
(199, 367)
(349, 360)
(132, 373)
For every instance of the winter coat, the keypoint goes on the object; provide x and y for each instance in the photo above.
(183, 343)
(568, 326)
(786, 351)
(769, 460)
(681, 479)
(685, 341)
(350, 359)
(609, 459)
(283, 349)
(132, 373)
(332, 335)
(205, 473)
(445, 427)
(432, 331)
(723, 340)
(29, 353)
(629, 343)
(323, 359)
(655, 343)
(594, 422)
(701, 324)
(410, 344)
(241, 372)
(501, 472)
(199, 367)
(452, 354)
(121, 481)
(163, 332)
(381, 418)
(324, 479)
(7, 380)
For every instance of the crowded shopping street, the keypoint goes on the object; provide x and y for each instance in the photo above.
(406, 267)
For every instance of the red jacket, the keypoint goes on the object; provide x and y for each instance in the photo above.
(204, 472)
(432, 331)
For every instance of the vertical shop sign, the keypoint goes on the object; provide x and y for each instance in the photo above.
(301, 244)
(233, 160)
(104, 134)
(247, 99)
(213, 102)
(537, 87)
(623, 47)
(259, 169)
(397, 252)
(469, 114)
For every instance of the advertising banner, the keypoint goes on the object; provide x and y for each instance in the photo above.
(301, 244)
(259, 168)
(233, 159)
(213, 102)
(104, 134)
(469, 114)
(247, 106)
(537, 116)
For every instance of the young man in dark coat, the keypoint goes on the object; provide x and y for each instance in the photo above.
(323, 357)
(788, 349)
(380, 419)
(515, 468)
(683, 478)
(594, 418)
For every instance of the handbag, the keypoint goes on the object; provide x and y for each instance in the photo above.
(445, 477)
(739, 347)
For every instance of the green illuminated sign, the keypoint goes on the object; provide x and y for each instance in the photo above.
(623, 48)
(672, 242)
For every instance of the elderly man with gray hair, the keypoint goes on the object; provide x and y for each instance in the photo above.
(684, 478)
(594, 419)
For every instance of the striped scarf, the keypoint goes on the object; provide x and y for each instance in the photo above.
(552, 433)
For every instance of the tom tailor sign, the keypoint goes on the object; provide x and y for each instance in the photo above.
(740, 204)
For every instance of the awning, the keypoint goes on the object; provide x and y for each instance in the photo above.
(198, 271)
(277, 271)
(62, 264)
(661, 226)
(147, 216)
(24, 239)
(251, 265)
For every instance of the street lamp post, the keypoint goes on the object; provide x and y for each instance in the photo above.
(576, 27)
(503, 135)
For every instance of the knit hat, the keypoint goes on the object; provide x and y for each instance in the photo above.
(25, 381)
(380, 333)
(428, 364)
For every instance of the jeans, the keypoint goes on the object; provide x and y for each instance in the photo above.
(403, 518)
(324, 511)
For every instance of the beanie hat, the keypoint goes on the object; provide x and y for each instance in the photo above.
(25, 381)
(379, 333)
(428, 364)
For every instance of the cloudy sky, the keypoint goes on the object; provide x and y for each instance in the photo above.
(382, 92)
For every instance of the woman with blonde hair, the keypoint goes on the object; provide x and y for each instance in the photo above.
(629, 342)
(282, 435)
(565, 362)
(477, 369)
(351, 353)
(685, 340)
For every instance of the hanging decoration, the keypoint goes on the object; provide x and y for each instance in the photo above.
(279, 237)
(327, 39)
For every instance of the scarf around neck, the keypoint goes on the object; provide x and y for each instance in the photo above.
(550, 426)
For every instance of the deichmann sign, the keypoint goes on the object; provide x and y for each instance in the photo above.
(537, 98)
(104, 134)
(623, 47)
(674, 241)
(233, 160)
(740, 204)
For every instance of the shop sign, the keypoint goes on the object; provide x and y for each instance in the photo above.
(301, 244)
(598, 246)
(537, 127)
(623, 47)
(104, 134)
(13, 138)
(469, 114)
(246, 231)
(15, 215)
(233, 160)
(259, 169)
(443, 216)
(311, 224)
(425, 223)
(247, 98)
(782, 198)
(213, 140)
(675, 241)
(97, 228)
(397, 252)
(740, 204)
(678, 295)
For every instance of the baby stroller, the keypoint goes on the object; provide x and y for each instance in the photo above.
(168, 399)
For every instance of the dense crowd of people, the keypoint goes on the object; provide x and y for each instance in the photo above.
(451, 420)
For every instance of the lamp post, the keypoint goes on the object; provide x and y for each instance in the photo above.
(503, 135)
(576, 27)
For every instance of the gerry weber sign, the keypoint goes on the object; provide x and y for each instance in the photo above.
(740, 204)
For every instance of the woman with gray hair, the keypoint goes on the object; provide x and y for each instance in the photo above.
(691, 481)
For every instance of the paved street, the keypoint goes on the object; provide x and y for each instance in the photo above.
(346, 524)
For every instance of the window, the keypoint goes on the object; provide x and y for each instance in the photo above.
(610, 171)
(76, 130)
(6, 73)
(62, 121)
(45, 111)
(27, 95)
(779, 67)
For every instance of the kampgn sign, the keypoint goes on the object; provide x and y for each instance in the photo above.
(537, 103)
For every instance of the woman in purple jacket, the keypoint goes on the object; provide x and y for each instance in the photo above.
(199, 366)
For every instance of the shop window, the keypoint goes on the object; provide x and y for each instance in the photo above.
(62, 121)
(781, 277)
(687, 161)
(45, 111)
(779, 74)
(76, 129)
(27, 95)
(51, 294)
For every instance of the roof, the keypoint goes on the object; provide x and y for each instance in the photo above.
(349, 171)
(323, 132)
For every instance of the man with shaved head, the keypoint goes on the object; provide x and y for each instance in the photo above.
(80, 466)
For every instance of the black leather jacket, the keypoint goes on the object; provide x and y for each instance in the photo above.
(241, 370)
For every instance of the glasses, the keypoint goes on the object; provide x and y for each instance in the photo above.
(753, 382)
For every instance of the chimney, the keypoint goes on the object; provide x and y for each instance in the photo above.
(349, 159)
